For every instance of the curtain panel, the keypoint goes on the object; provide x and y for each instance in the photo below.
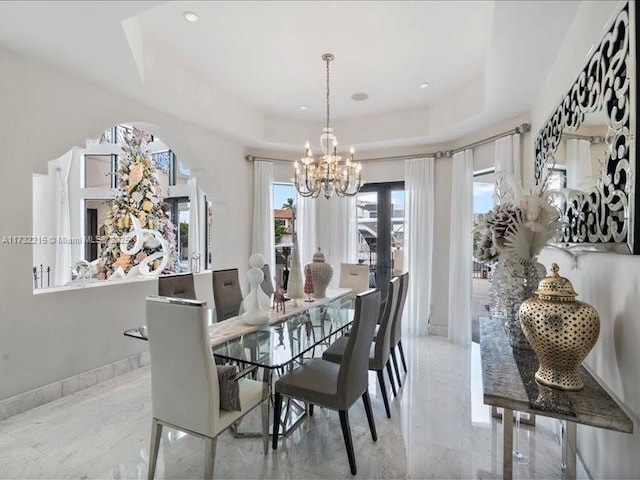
(507, 161)
(461, 246)
(263, 228)
(579, 171)
(196, 245)
(62, 265)
(306, 227)
(418, 241)
(343, 240)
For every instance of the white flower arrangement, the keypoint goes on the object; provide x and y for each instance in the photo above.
(520, 226)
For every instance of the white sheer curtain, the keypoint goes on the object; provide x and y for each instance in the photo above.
(62, 266)
(263, 230)
(343, 239)
(507, 160)
(306, 227)
(195, 240)
(579, 171)
(461, 245)
(418, 240)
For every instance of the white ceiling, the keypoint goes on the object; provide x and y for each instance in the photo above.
(245, 67)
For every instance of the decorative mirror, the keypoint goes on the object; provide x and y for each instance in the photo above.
(589, 146)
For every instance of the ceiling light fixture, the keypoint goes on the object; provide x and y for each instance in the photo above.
(360, 96)
(327, 174)
(303, 107)
(425, 85)
(191, 16)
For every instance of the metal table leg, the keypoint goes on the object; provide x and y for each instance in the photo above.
(569, 434)
(530, 418)
(507, 445)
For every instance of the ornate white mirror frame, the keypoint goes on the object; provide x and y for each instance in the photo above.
(600, 217)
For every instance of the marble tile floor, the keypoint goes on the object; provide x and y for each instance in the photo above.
(439, 429)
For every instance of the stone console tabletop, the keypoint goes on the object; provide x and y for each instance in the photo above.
(504, 386)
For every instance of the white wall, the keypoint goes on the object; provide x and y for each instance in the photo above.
(45, 338)
(609, 282)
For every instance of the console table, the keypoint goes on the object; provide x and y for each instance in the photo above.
(508, 383)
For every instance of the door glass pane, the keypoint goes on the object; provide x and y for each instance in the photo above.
(162, 162)
(95, 212)
(97, 171)
(182, 174)
(183, 226)
(367, 204)
(397, 231)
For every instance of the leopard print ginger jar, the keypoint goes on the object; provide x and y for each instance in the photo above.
(561, 331)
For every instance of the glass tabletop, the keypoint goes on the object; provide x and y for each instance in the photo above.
(287, 336)
(274, 346)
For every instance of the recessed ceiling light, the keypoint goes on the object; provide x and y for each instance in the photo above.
(425, 85)
(191, 16)
(303, 107)
(359, 97)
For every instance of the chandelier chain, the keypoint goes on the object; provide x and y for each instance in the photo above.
(328, 104)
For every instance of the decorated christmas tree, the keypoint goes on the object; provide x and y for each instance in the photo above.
(139, 194)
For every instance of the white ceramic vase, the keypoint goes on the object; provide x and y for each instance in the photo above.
(295, 285)
(321, 274)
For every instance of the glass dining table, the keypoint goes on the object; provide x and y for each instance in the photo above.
(280, 344)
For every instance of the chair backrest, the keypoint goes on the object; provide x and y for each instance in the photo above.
(353, 377)
(354, 276)
(227, 293)
(382, 348)
(267, 284)
(184, 380)
(180, 286)
(396, 329)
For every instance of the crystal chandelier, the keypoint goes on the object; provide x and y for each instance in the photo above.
(327, 174)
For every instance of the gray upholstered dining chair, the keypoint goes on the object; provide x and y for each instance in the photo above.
(227, 293)
(180, 286)
(396, 329)
(380, 351)
(185, 390)
(336, 386)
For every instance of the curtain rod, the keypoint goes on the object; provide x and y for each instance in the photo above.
(573, 136)
(525, 127)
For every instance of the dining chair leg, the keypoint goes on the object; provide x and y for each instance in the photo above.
(404, 364)
(346, 433)
(265, 424)
(390, 373)
(395, 366)
(156, 434)
(367, 408)
(210, 456)
(276, 419)
(383, 390)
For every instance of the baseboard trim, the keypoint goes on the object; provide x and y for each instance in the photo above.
(34, 398)
(438, 330)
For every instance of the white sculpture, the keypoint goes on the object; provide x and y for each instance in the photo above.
(254, 314)
(257, 261)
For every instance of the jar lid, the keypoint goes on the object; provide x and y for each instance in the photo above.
(555, 287)
(318, 256)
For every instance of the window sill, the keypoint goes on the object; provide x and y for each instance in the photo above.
(98, 283)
